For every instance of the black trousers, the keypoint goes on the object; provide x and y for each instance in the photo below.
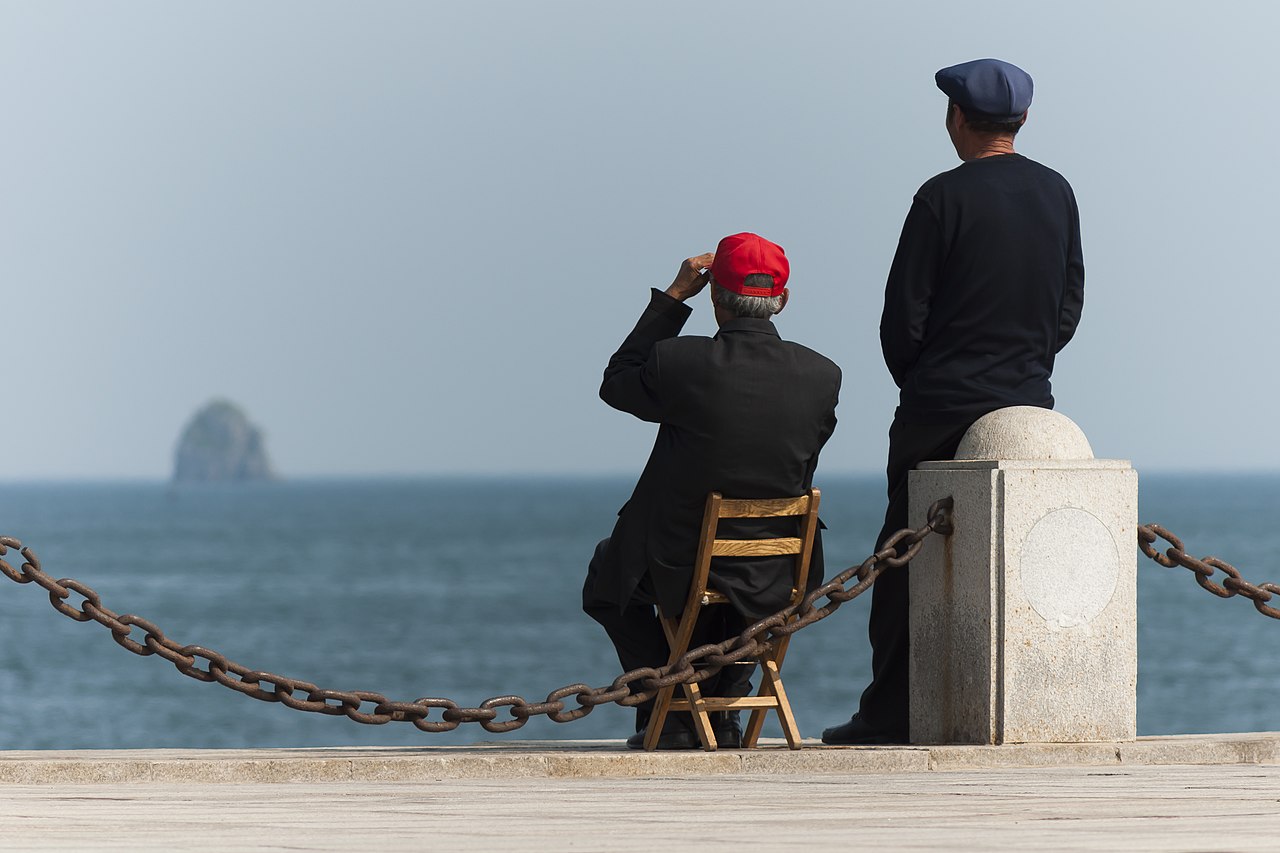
(638, 639)
(885, 702)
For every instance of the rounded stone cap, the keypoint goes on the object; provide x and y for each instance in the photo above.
(1024, 432)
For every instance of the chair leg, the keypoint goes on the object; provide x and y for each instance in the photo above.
(780, 649)
(755, 723)
(771, 685)
(701, 722)
(779, 654)
(769, 671)
(661, 705)
(678, 632)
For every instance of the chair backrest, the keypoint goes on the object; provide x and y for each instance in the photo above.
(804, 507)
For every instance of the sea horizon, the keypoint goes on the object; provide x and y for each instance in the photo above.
(470, 588)
(451, 475)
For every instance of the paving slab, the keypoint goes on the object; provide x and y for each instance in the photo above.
(1230, 807)
(603, 760)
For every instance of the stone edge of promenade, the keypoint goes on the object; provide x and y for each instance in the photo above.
(600, 759)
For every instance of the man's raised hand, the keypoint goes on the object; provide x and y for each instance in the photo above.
(693, 276)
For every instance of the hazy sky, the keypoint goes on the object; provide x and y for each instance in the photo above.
(407, 236)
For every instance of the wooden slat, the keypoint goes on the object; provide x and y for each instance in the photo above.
(755, 547)
(720, 703)
(764, 508)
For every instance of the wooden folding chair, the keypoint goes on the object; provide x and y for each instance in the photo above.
(679, 629)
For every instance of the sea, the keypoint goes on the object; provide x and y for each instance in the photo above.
(470, 588)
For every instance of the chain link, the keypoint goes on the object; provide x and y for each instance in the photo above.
(374, 709)
(1233, 584)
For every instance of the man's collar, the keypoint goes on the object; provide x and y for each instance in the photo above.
(749, 324)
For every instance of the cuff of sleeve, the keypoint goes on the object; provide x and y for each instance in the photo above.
(660, 301)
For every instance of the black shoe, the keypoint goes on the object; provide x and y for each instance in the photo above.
(857, 732)
(727, 731)
(676, 739)
(728, 734)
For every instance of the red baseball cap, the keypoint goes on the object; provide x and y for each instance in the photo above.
(741, 255)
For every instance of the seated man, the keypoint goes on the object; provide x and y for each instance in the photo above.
(744, 413)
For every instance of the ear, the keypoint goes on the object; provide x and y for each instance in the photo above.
(786, 294)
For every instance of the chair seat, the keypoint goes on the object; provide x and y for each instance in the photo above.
(711, 596)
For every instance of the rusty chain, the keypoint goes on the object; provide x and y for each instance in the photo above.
(1233, 584)
(362, 706)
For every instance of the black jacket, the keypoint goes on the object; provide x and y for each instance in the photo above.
(744, 413)
(986, 287)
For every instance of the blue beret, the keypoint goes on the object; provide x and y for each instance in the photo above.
(991, 88)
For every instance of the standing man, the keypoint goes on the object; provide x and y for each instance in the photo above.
(744, 413)
(985, 289)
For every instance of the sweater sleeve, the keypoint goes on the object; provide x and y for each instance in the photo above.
(1073, 292)
(633, 380)
(909, 291)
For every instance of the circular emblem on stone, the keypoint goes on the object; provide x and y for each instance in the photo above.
(1070, 567)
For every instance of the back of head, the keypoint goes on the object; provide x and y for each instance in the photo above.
(749, 274)
(993, 95)
(757, 307)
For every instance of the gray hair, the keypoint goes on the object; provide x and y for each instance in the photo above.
(754, 307)
(980, 124)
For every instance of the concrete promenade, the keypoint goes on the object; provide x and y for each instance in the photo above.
(1210, 792)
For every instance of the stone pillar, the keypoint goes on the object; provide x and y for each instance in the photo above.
(1024, 622)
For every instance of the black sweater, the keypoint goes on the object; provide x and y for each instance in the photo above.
(986, 288)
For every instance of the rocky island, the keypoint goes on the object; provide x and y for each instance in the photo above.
(220, 445)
